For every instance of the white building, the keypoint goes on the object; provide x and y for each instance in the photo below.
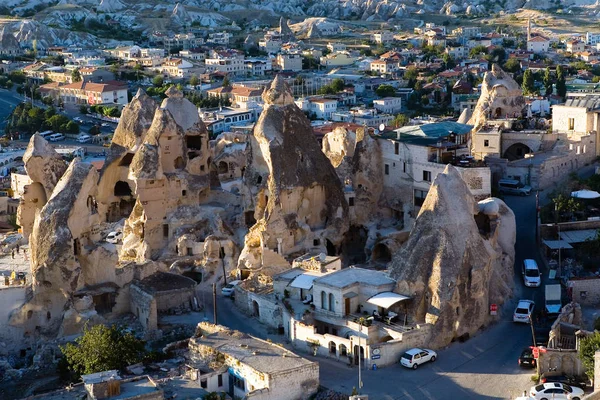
(175, 68)
(226, 61)
(383, 37)
(339, 59)
(254, 368)
(221, 38)
(388, 105)
(538, 44)
(289, 62)
(384, 66)
(322, 107)
(592, 38)
(336, 47)
(271, 42)
(256, 67)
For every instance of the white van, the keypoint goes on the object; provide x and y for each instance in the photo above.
(84, 138)
(512, 186)
(46, 134)
(531, 273)
(56, 137)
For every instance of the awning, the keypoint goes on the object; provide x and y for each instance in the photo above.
(557, 244)
(579, 236)
(585, 194)
(305, 280)
(387, 299)
(350, 295)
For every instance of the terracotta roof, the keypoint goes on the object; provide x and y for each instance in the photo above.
(97, 87)
(247, 92)
(538, 39)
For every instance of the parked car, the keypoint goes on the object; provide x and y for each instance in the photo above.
(84, 138)
(512, 186)
(114, 237)
(555, 391)
(524, 311)
(415, 357)
(78, 120)
(531, 273)
(229, 288)
(526, 358)
(104, 124)
(56, 137)
(579, 381)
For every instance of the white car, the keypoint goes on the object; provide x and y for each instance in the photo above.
(524, 311)
(84, 138)
(531, 273)
(104, 124)
(415, 357)
(114, 237)
(229, 288)
(556, 391)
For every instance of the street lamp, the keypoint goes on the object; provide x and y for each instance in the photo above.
(361, 321)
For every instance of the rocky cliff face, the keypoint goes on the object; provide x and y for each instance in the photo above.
(291, 187)
(458, 259)
(501, 97)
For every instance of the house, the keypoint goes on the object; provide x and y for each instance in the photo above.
(271, 42)
(336, 47)
(109, 93)
(588, 56)
(183, 40)
(414, 155)
(383, 37)
(221, 38)
(256, 67)
(388, 105)
(194, 54)
(322, 107)
(223, 119)
(97, 75)
(384, 66)
(363, 117)
(226, 61)
(289, 62)
(575, 46)
(175, 68)
(338, 59)
(253, 368)
(538, 44)
(592, 38)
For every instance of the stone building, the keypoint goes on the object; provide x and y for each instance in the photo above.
(256, 369)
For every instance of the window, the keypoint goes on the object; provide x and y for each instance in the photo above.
(387, 169)
(238, 382)
(419, 197)
(183, 193)
(351, 201)
(404, 166)
(166, 230)
(486, 143)
(331, 302)
(323, 299)
(396, 148)
(203, 384)
(571, 124)
(427, 176)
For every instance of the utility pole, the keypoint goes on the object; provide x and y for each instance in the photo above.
(215, 303)
(532, 331)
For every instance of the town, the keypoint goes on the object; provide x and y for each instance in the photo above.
(288, 201)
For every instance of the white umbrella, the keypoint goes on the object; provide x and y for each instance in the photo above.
(585, 194)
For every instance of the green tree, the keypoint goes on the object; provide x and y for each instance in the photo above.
(114, 68)
(547, 81)
(194, 80)
(478, 51)
(448, 61)
(226, 82)
(497, 55)
(385, 91)
(411, 74)
(587, 348)
(337, 85)
(102, 348)
(56, 122)
(83, 109)
(94, 130)
(528, 82)
(72, 127)
(158, 81)
(512, 65)
(401, 120)
(76, 75)
(561, 85)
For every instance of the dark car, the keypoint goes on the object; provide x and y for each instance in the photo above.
(579, 381)
(526, 359)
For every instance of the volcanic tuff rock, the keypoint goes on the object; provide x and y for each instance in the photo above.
(291, 186)
(458, 259)
(500, 96)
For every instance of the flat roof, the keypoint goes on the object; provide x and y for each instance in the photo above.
(258, 354)
(579, 236)
(163, 281)
(349, 276)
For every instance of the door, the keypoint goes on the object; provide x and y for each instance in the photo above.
(347, 306)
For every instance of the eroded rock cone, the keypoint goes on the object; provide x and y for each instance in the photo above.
(457, 260)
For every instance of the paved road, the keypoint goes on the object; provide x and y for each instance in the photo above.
(484, 367)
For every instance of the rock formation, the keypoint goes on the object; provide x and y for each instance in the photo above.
(284, 29)
(501, 97)
(291, 188)
(458, 259)
(45, 167)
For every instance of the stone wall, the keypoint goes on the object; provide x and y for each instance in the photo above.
(298, 384)
(585, 290)
(11, 298)
(143, 305)
(269, 309)
(175, 298)
(554, 362)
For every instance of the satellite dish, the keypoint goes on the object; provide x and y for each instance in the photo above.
(322, 257)
(381, 127)
(376, 131)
